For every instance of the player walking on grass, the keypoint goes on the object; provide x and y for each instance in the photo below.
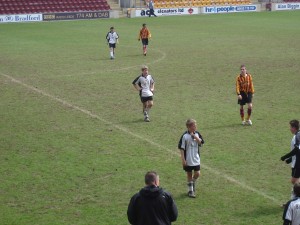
(245, 92)
(189, 146)
(144, 35)
(112, 39)
(144, 83)
(293, 156)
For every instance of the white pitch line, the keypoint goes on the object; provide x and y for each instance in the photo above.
(123, 129)
(164, 55)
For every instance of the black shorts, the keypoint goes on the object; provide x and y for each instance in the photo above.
(296, 172)
(191, 168)
(145, 41)
(146, 99)
(112, 45)
(246, 98)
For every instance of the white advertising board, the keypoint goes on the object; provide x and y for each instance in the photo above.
(167, 12)
(229, 9)
(21, 18)
(287, 6)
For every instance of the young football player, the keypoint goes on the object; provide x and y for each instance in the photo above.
(293, 156)
(144, 83)
(189, 146)
(144, 35)
(112, 39)
(245, 92)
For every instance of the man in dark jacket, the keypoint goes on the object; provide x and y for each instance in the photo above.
(152, 205)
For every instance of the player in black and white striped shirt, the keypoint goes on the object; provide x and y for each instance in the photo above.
(112, 38)
(293, 156)
(189, 146)
(291, 214)
(144, 83)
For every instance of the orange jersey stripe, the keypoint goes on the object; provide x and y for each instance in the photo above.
(244, 84)
(144, 33)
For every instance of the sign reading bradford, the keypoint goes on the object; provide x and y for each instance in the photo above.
(75, 15)
(20, 18)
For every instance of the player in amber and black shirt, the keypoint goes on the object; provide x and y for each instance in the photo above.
(144, 35)
(245, 91)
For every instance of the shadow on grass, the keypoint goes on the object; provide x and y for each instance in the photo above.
(181, 196)
(134, 55)
(140, 120)
(262, 211)
(233, 125)
(122, 56)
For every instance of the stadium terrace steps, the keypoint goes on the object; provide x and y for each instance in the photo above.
(41, 6)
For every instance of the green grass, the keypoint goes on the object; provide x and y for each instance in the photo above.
(75, 149)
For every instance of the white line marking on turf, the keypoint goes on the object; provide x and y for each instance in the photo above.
(92, 115)
(164, 55)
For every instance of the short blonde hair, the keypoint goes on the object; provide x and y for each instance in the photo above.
(189, 122)
(144, 67)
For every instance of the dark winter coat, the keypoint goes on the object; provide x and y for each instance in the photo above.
(152, 206)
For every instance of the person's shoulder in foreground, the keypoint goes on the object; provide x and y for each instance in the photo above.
(152, 205)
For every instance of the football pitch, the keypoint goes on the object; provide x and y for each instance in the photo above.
(73, 144)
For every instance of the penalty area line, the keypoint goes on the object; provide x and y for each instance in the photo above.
(123, 129)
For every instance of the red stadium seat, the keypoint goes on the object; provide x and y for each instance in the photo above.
(40, 6)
